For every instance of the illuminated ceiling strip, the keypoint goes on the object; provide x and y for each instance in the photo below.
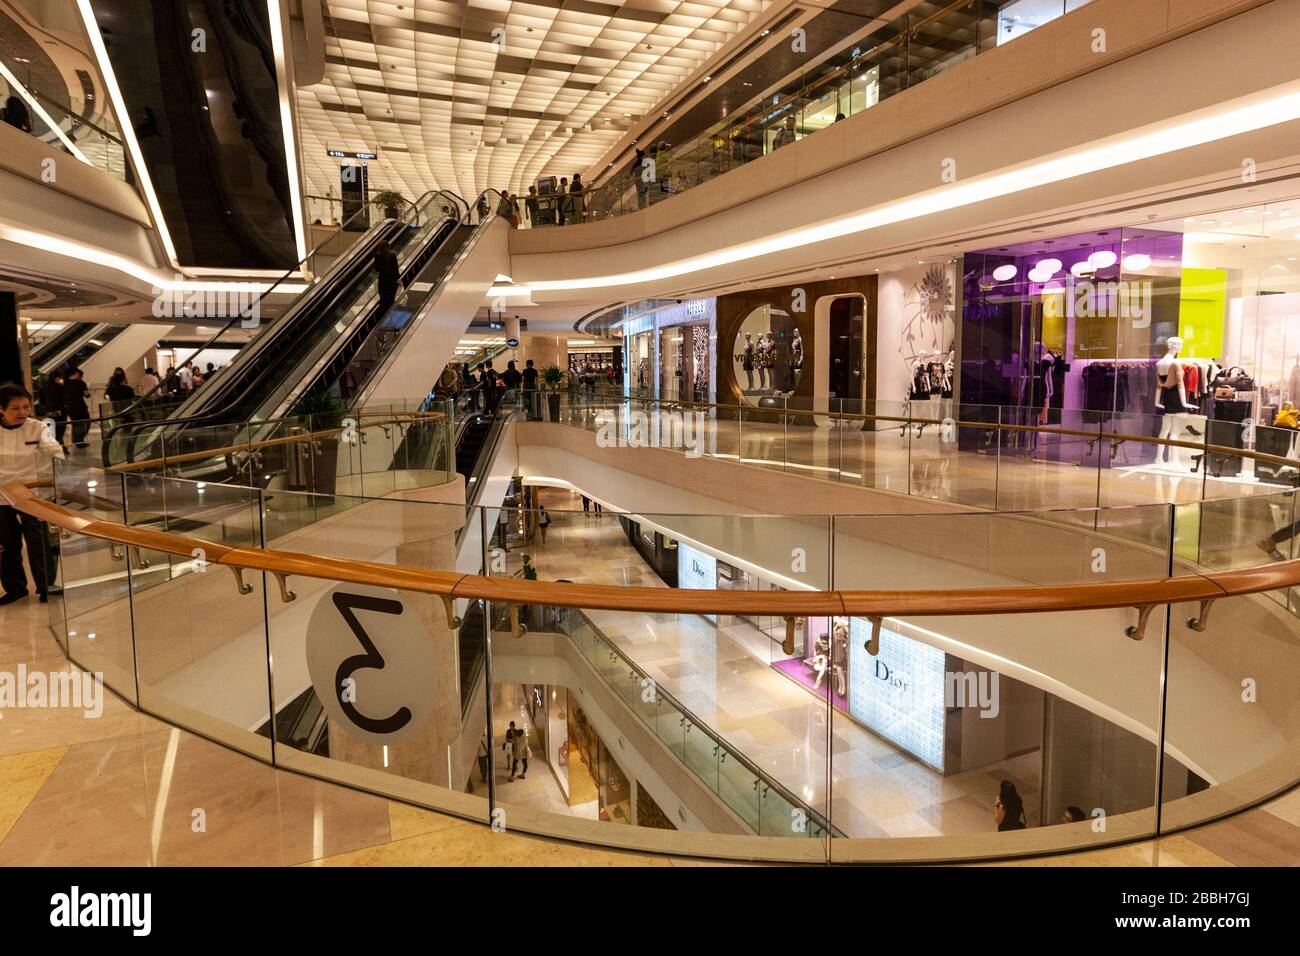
(127, 130)
(286, 126)
(40, 111)
(1211, 125)
(131, 267)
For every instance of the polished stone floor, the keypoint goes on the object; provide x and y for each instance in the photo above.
(126, 789)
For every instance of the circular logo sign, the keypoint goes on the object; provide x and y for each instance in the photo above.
(371, 663)
(513, 343)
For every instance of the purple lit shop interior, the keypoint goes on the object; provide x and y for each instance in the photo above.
(1067, 332)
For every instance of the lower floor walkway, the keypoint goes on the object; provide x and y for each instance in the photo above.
(126, 789)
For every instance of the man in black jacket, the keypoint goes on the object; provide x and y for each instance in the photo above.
(389, 278)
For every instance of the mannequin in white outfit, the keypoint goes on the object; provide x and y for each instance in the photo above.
(1172, 404)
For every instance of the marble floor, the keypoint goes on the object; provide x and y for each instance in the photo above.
(963, 465)
(126, 789)
(723, 674)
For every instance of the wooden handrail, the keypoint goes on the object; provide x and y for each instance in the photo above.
(1142, 594)
(400, 417)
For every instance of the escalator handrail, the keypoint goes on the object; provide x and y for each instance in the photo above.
(418, 318)
(323, 362)
(296, 268)
(215, 413)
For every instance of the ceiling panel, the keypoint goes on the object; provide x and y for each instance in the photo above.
(426, 85)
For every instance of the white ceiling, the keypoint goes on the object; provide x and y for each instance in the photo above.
(447, 104)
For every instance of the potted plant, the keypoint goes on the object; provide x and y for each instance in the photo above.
(391, 201)
(326, 413)
(553, 375)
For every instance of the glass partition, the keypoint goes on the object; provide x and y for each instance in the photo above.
(976, 726)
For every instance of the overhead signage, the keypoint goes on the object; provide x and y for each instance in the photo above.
(350, 154)
(512, 343)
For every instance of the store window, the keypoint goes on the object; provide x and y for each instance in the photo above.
(767, 354)
(1174, 330)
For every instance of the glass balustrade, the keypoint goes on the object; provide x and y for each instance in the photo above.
(913, 48)
(885, 725)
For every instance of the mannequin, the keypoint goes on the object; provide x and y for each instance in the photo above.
(1171, 403)
(760, 360)
(820, 661)
(840, 657)
(796, 360)
(746, 358)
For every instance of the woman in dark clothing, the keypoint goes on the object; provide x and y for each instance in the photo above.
(1009, 809)
(389, 278)
(16, 114)
(118, 390)
(52, 405)
(75, 394)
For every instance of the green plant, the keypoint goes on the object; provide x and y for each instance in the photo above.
(389, 199)
(553, 375)
(326, 410)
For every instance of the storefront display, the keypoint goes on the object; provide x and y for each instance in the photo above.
(764, 354)
(821, 658)
(1156, 331)
(669, 349)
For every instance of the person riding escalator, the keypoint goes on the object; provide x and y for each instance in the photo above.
(389, 275)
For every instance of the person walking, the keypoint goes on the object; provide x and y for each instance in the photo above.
(508, 746)
(75, 395)
(519, 752)
(578, 204)
(639, 169)
(185, 376)
(389, 278)
(562, 201)
(24, 440)
(543, 521)
(52, 406)
(1009, 808)
(532, 207)
(532, 398)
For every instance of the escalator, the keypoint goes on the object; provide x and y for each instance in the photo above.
(72, 346)
(234, 391)
(470, 439)
(341, 363)
(265, 370)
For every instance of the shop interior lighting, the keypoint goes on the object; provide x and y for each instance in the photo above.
(1138, 262)
(1082, 268)
(1049, 265)
(1005, 273)
(1102, 259)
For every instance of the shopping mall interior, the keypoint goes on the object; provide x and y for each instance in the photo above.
(848, 432)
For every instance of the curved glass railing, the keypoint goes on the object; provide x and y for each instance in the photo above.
(921, 683)
(921, 44)
(91, 137)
